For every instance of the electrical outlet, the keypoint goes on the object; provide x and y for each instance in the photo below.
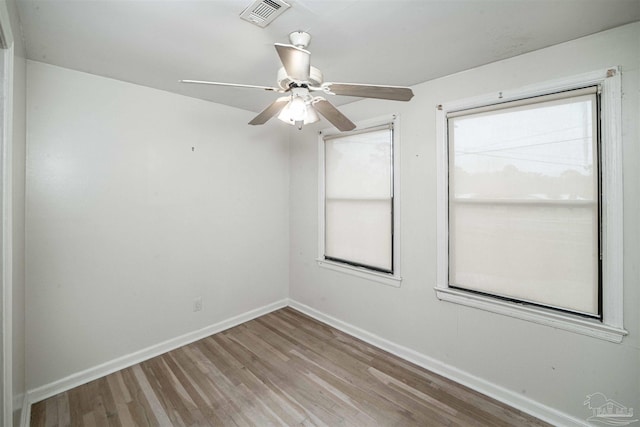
(197, 304)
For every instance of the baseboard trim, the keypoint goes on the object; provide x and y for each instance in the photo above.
(18, 400)
(485, 387)
(490, 389)
(83, 377)
(25, 412)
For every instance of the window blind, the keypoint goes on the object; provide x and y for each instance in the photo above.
(359, 198)
(523, 200)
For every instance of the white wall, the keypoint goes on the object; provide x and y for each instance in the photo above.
(126, 223)
(553, 367)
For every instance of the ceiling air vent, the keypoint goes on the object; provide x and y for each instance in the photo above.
(263, 12)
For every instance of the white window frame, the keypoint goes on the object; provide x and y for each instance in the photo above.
(7, 50)
(391, 279)
(610, 328)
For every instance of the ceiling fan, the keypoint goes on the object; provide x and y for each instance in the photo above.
(298, 79)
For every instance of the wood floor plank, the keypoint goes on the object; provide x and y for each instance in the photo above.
(38, 414)
(139, 407)
(155, 406)
(311, 399)
(166, 393)
(89, 420)
(332, 360)
(110, 409)
(64, 415)
(268, 372)
(75, 412)
(205, 395)
(51, 413)
(282, 369)
(197, 408)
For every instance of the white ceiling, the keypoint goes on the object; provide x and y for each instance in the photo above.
(395, 42)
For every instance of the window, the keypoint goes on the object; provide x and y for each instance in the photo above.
(523, 180)
(358, 202)
(523, 200)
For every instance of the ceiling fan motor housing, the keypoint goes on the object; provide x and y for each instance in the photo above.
(300, 39)
(284, 81)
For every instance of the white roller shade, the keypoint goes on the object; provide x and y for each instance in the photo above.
(359, 198)
(523, 201)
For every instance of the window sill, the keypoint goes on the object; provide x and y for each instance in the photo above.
(386, 279)
(567, 322)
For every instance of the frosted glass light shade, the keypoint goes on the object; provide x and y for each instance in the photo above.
(310, 116)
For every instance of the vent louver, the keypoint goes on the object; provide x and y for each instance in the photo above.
(263, 12)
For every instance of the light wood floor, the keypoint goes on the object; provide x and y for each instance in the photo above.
(283, 368)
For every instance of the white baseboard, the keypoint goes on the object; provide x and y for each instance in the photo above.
(25, 413)
(495, 391)
(485, 387)
(83, 377)
(18, 403)
(18, 400)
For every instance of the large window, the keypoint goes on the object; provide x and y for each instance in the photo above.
(358, 230)
(530, 215)
(523, 200)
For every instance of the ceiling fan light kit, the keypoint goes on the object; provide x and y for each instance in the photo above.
(299, 108)
(298, 79)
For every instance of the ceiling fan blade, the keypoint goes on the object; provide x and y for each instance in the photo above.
(273, 89)
(332, 114)
(395, 93)
(272, 110)
(296, 61)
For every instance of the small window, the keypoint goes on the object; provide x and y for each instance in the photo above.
(530, 204)
(359, 201)
(358, 198)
